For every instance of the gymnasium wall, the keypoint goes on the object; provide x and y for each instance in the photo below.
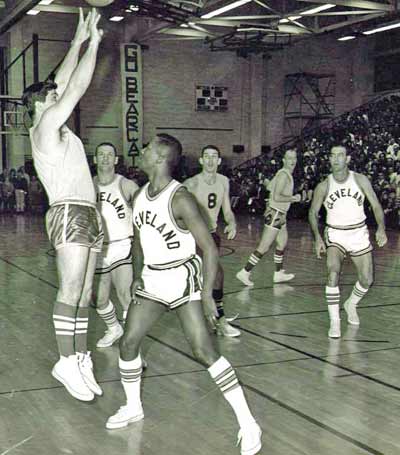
(171, 71)
(351, 62)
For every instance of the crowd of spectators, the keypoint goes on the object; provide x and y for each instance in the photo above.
(372, 137)
(20, 192)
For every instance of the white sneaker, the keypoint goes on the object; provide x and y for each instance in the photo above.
(351, 310)
(86, 367)
(112, 335)
(225, 329)
(334, 329)
(244, 276)
(124, 416)
(282, 277)
(67, 371)
(249, 438)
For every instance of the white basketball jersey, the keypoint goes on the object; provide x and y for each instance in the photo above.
(161, 239)
(344, 203)
(64, 172)
(210, 198)
(115, 210)
(281, 206)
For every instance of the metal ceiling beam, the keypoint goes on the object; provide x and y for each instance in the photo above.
(356, 4)
(17, 13)
(338, 25)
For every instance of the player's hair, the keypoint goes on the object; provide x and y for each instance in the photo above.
(174, 148)
(36, 92)
(108, 144)
(212, 147)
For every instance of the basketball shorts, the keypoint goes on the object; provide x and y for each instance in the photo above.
(74, 224)
(113, 255)
(274, 218)
(354, 242)
(173, 284)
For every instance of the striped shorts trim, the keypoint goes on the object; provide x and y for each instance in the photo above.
(354, 242)
(173, 284)
(114, 255)
(274, 219)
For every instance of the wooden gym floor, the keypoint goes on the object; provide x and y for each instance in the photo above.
(311, 395)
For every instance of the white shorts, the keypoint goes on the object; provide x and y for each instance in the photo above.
(355, 242)
(173, 284)
(113, 255)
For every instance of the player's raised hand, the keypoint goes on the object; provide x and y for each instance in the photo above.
(320, 247)
(380, 236)
(82, 30)
(230, 230)
(96, 34)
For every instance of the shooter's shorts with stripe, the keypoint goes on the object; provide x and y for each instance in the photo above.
(354, 242)
(274, 218)
(113, 255)
(173, 284)
(74, 223)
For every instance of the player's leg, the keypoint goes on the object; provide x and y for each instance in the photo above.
(281, 242)
(81, 327)
(122, 279)
(365, 271)
(141, 317)
(223, 326)
(72, 261)
(268, 237)
(195, 328)
(334, 260)
(106, 310)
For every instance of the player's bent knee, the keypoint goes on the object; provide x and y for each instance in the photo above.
(129, 346)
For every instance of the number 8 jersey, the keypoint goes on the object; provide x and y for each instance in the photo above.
(208, 196)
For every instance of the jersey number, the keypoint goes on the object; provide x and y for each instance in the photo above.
(212, 200)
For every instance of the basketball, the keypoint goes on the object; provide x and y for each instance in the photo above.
(99, 3)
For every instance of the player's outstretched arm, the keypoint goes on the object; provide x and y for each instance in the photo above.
(229, 216)
(56, 116)
(369, 192)
(282, 181)
(185, 209)
(71, 59)
(313, 216)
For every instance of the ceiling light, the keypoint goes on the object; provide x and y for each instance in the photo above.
(290, 18)
(382, 29)
(225, 8)
(46, 2)
(116, 18)
(33, 12)
(184, 26)
(346, 38)
(318, 9)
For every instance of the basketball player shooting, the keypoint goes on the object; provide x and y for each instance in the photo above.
(73, 222)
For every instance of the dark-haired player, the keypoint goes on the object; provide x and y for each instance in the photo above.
(168, 277)
(73, 222)
(211, 191)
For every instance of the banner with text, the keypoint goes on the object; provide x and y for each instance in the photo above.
(132, 109)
